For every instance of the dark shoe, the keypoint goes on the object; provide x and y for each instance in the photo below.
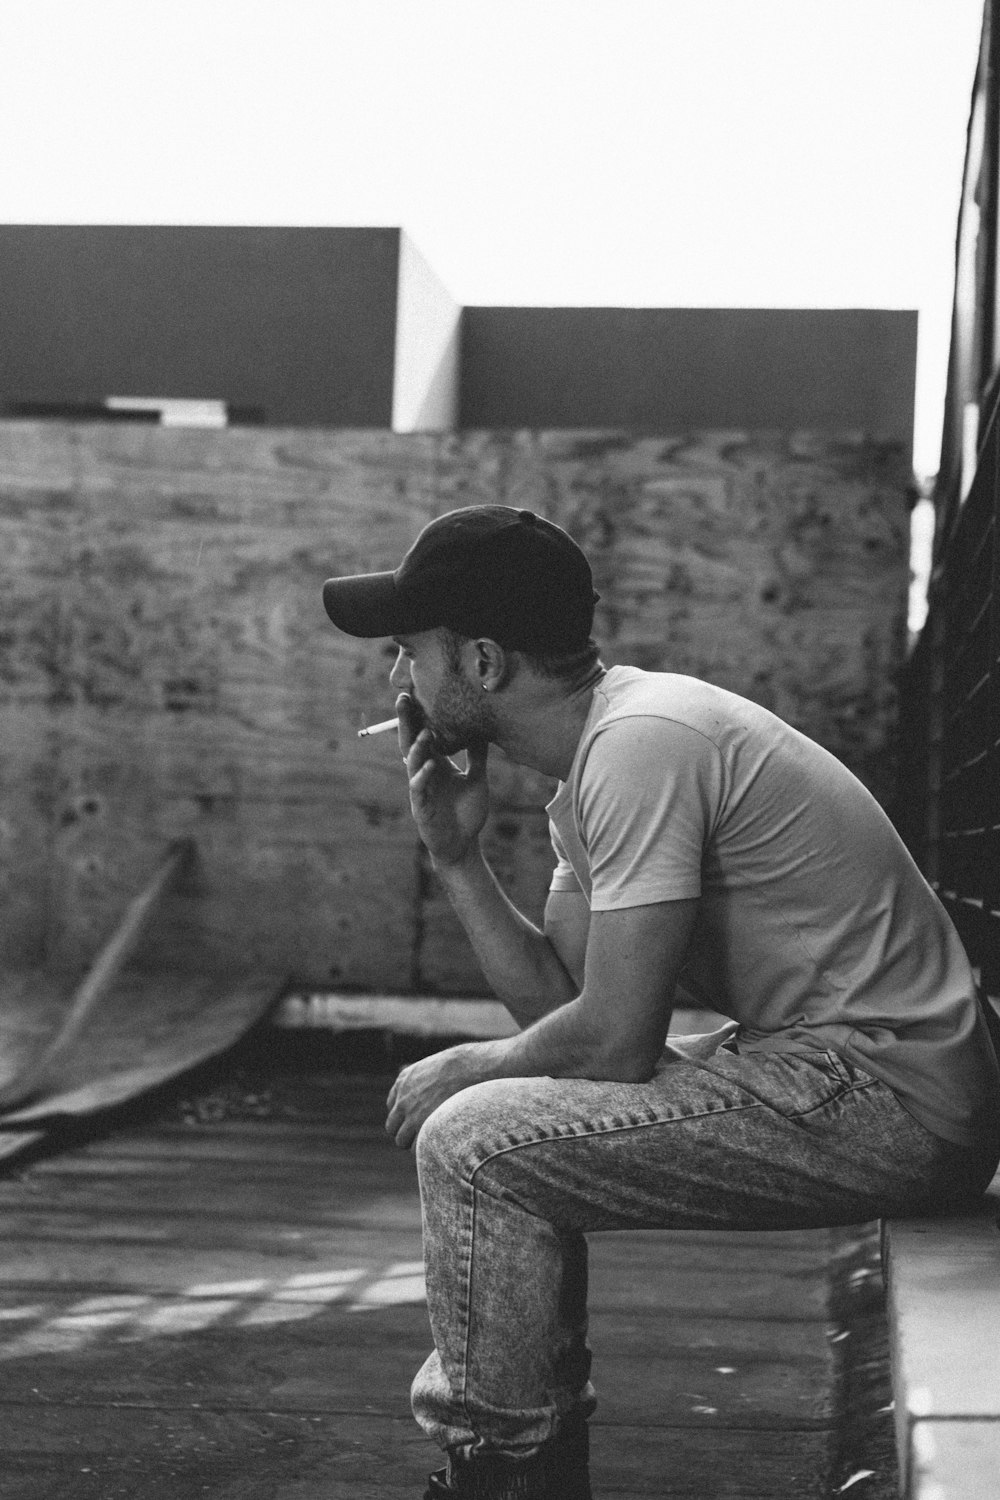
(560, 1472)
(569, 1462)
(491, 1478)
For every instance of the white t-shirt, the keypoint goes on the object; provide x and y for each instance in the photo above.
(815, 929)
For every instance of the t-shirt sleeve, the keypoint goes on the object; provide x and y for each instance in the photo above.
(563, 876)
(648, 797)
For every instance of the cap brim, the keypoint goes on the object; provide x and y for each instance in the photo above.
(366, 604)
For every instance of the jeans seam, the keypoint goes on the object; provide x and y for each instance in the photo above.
(582, 1135)
(521, 1146)
(470, 1253)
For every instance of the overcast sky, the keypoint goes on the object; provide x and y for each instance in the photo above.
(785, 153)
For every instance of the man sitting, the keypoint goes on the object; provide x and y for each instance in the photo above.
(703, 848)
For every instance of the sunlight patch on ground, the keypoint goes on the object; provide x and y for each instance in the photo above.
(130, 1317)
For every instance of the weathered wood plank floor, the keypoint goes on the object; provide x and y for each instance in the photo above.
(233, 1308)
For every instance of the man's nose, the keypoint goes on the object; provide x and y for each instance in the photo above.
(399, 677)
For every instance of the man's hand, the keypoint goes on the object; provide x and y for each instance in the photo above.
(449, 806)
(424, 1085)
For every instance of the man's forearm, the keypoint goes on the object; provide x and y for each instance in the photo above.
(520, 964)
(559, 1045)
(613, 1030)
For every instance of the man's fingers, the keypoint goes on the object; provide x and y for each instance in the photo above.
(420, 776)
(400, 1129)
(410, 722)
(396, 1117)
(420, 754)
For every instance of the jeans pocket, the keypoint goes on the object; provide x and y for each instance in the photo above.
(795, 1084)
(845, 1071)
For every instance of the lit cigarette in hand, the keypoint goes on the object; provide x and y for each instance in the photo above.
(382, 728)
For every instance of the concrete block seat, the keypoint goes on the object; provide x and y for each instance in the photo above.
(943, 1284)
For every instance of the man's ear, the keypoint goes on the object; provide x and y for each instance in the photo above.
(493, 665)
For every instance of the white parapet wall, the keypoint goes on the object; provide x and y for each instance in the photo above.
(427, 350)
(423, 1015)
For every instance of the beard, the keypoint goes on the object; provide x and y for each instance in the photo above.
(458, 718)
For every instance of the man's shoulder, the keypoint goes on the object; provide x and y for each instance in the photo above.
(632, 693)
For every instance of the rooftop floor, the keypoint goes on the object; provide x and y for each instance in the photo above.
(222, 1296)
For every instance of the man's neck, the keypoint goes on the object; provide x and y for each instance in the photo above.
(545, 735)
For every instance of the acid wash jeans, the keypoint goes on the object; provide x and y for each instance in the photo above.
(514, 1172)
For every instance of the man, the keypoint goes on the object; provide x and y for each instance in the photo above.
(705, 849)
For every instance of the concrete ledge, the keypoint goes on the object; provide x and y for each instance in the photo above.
(426, 1015)
(943, 1282)
(409, 1015)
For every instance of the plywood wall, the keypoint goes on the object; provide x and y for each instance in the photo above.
(166, 667)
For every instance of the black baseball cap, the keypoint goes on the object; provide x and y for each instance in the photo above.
(484, 570)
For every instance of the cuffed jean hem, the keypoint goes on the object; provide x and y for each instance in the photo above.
(514, 1173)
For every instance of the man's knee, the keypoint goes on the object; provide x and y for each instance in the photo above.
(462, 1129)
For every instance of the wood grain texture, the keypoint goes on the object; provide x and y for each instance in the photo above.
(166, 668)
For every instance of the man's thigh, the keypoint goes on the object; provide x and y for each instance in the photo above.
(739, 1141)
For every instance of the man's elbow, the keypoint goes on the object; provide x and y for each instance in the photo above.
(625, 1064)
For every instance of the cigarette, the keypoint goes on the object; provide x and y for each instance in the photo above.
(382, 728)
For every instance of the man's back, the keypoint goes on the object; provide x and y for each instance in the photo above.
(815, 930)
